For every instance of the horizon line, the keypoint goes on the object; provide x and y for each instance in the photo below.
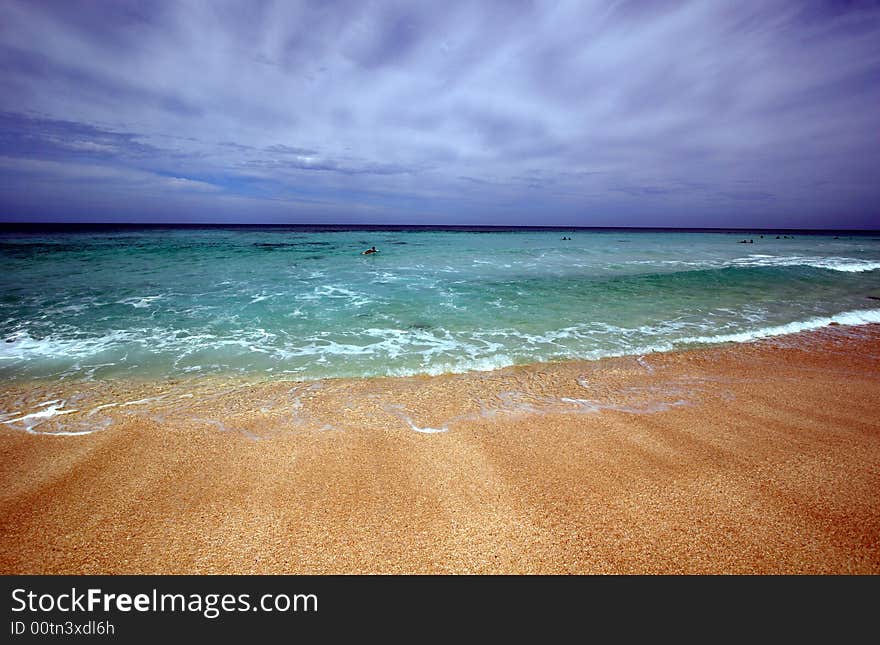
(356, 226)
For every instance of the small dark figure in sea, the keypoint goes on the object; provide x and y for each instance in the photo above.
(370, 251)
(751, 241)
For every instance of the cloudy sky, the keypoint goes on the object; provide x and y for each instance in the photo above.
(642, 113)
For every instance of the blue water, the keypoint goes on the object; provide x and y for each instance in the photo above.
(303, 303)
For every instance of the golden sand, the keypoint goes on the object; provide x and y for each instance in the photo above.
(758, 458)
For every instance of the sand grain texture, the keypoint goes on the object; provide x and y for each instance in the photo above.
(759, 458)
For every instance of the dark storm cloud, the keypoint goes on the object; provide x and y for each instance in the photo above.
(641, 113)
(290, 150)
(35, 137)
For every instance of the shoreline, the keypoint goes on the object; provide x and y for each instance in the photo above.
(759, 457)
(104, 393)
(856, 318)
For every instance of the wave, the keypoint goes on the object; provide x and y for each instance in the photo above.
(846, 265)
(842, 264)
(378, 351)
(22, 346)
(474, 362)
(847, 318)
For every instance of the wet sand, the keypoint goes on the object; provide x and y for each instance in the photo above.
(756, 458)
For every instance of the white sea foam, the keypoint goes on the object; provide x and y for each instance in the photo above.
(862, 317)
(50, 409)
(833, 263)
(386, 278)
(425, 430)
(846, 265)
(336, 292)
(402, 352)
(140, 302)
(400, 412)
(98, 408)
(461, 366)
(149, 399)
(24, 346)
(581, 405)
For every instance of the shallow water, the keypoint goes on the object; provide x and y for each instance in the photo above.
(305, 304)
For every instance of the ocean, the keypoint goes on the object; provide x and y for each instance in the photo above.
(302, 303)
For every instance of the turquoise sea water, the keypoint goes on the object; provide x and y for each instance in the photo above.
(303, 303)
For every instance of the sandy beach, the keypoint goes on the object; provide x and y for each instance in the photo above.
(749, 458)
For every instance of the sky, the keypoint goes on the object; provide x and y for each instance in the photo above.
(653, 113)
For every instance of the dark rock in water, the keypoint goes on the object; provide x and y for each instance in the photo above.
(834, 324)
(869, 297)
(10, 340)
